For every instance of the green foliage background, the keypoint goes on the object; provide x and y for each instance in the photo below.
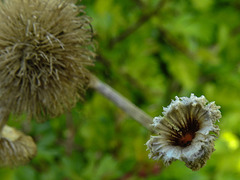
(150, 51)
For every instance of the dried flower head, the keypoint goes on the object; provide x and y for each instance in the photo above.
(186, 132)
(15, 147)
(44, 48)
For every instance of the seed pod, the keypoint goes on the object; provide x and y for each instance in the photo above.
(15, 147)
(186, 132)
(45, 46)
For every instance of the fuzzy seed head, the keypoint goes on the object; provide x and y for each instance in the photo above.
(44, 50)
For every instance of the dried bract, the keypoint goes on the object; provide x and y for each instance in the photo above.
(45, 46)
(186, 132)
(15, 147)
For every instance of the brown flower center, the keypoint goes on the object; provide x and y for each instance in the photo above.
(186, 140)
(186, 133)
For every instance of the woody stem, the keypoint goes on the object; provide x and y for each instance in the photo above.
(120, 101)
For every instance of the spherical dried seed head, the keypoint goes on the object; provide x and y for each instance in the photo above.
(186, 132)
(44, 48)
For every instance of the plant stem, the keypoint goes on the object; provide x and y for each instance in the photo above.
(123, 103)
(4, 115)
(140, 22)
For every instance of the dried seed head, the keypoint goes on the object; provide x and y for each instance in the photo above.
(15, 147)
(44, 48)
(186, 132)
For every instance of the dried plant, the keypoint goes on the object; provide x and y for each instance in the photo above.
(186, 132)
(15, 147)
(45, 46)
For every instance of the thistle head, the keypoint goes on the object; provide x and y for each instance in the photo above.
(45, 46)
(185, 132)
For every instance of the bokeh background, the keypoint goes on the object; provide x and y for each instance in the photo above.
(150, 51)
